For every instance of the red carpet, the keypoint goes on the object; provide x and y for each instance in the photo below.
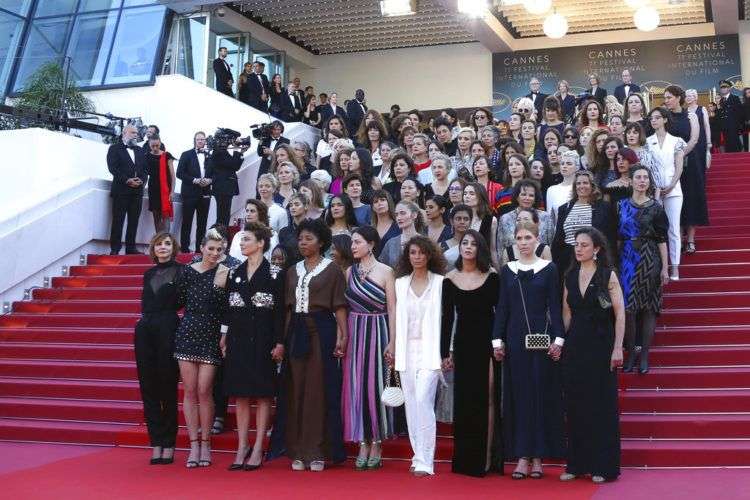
(67, 372)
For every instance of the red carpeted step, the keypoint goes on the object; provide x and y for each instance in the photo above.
(109, 370)
(716, 243)
(700, 356)
(722, 230)
(114, 260)
(694, 378)
(109, 270)
(710, 299)
(692, 425)
(97, 281)
(685, 453)
(118, 390)
(128, 412)
(689, 270)
(702, 335)
(70, 352)
(60, 431)
(710, 284)
(685, 401)
(69, 320)
(78, 306)
(716, 256)
(705, 316)
(132, 293)
(68, 335)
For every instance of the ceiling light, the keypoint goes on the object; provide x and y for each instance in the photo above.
(473, 8)
(635, 4)
(555, 26)
(646, 18)
(390, 8)
(537, 6)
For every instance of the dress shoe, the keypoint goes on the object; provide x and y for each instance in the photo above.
(114, 252)
(132, 251)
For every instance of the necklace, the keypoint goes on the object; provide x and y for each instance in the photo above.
(363, 273)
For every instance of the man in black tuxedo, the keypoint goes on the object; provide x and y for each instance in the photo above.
(291, 104)
(151, 131)
(268, 145)
(224, 184)
(195, 170)
(331, 108)
(731, 116)
(628, 87)
(127, 164)
(223, 73)
(356, 111)
(537, 97)
(259, 87)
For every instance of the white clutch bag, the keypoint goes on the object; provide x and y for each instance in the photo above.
(392, 395)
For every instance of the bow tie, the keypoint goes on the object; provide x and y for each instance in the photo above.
(525, 275)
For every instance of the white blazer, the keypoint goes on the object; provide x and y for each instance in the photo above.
(666, 153)
(431, 324)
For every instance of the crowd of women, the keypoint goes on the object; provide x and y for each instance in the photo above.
(491, 271)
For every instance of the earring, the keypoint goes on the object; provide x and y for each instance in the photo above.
(595, 257)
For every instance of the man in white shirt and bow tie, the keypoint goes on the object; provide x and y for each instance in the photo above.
(223, 73)
(291, 104)
(537, 97)
(622, 92)
(356, 109)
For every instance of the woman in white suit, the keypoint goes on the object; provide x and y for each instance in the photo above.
(670, 150)
(414, 349)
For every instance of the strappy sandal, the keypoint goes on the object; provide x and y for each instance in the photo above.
(218, 426)
(192, 464)
(203, 462)
(690, 248)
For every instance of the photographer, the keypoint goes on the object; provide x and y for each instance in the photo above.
(127, 164)
(224, 175)
(195, 170)
(268, 144)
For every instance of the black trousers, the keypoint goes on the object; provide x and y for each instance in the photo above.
(158, 375)
(189, 207)
(223, 208)
(732, 140)
(122, 205)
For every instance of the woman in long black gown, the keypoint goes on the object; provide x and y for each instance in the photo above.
(594, 316)
(154, 345)
(532, 393)
(252, 340)
(469, 298)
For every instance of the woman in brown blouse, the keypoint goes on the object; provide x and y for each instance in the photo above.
(316, 339)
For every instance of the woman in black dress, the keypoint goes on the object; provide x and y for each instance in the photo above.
(154, 346)
(160, 184)
(529, 303)
(243, 89)
(594, 316)
(469, 298)
(252, 340)
(201, 292)
(276, 94)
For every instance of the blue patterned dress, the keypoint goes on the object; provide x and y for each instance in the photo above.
(641, 228)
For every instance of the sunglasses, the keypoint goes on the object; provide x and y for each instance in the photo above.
(570, 137)
(524, 110)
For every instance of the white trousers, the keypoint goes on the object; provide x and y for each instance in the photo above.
(419, 388)
(673, 208)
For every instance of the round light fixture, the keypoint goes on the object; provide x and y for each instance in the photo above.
(555, 26)
(537, 6)
(646, 18)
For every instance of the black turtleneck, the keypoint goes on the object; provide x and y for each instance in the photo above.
(160, 287)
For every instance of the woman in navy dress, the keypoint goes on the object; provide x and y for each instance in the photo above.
(252, 340)
(693, 180)
(592, 352)
(532, 393)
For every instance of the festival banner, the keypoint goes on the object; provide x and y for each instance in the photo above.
(697, 63)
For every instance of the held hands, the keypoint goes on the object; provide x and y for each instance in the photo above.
(340, 350)
(498, 353)
(616, 360)
(388, 355)
(447, 364)
(277, 353)
(223, 345)
(554, 352)
(134, 182)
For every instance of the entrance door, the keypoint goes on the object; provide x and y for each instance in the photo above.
(238, 50)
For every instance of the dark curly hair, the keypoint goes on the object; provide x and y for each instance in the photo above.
(319, 229)
(435, 260)
(349, 216)
(261, 233)
(484, 260)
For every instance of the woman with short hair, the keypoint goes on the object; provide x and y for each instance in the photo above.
(411, 223)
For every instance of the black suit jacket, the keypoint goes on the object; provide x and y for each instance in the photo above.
(731, 114)
(224, 169)
(620, 91)
(326, 111)
(291, 112)
(256, 88)
(603, 218)
(538, 104)
(356, 115)
(223, 75)
(599, 95)
(265, 162)
(122, 168)
(188, 169)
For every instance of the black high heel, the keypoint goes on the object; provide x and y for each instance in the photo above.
(643, 369)
(248, 467)
(630, 363)
(241, 465)
(169, 460)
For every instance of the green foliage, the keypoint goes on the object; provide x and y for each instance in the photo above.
(44, 90)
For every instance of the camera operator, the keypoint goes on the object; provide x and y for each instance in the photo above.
(224, 178)
(127, 164)
(268, 145)
(194, 170)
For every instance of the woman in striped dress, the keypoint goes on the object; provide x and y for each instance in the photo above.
(371, 295)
